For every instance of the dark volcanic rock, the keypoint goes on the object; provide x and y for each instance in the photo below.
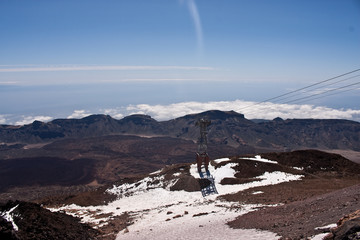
(35, 222)
(45, 171)
(348, 228)
(315, 161)
(140, 124)
(6, 229)
(186, 183)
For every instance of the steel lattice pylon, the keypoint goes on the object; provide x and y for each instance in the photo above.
(202, 140)
(201, 155)
(207, 181)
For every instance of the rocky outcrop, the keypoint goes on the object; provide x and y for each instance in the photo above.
(348, 228)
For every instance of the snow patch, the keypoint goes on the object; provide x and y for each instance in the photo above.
(319, 236)
(8, 217)
(257, 192)
(332, 225)
(156, 172)
(298, 168)
(258, 158)
(137, 187)
(220, 160)
(226, 171)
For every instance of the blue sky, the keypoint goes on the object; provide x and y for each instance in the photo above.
(63, 59)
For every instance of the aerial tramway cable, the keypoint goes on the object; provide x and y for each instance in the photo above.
(331, 90)
(319, 95)
(312, 90)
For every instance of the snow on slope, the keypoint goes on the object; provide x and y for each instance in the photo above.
(260, 159)
(8, 216)
(159, 213)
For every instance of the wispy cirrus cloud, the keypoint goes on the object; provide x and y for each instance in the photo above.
(195, 16)
(53, 68)
(197, 22)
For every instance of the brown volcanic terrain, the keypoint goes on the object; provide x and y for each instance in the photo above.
(324, 172)
(72, 162)
(57, 166)
(328, 191)
(299, 219)
(44, 171)
(313, 202)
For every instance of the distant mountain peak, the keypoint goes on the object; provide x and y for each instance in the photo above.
(138, 116)
(216, 114)
(97, 117)
(139, 119)
(278, 119)
(37, 124)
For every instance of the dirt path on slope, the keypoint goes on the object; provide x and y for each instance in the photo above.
(299, 219)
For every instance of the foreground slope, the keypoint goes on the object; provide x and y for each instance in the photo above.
(304, 218)
(168, 203)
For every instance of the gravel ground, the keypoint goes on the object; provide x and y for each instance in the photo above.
(298, 220)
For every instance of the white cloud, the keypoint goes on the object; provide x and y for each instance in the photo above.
(115, 113)
(51, 68)
(251, 110)
(79, 114)
(2, 119)
(30, 119)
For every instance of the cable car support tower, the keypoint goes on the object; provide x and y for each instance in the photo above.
(207, 183)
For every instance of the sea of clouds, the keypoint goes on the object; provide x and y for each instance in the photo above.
(162, 112)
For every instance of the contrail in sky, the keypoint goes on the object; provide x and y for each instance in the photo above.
(197, 22)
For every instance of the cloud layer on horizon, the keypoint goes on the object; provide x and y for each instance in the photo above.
(251, 110)
(29, 119)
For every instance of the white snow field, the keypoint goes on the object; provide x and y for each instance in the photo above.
(159, 213)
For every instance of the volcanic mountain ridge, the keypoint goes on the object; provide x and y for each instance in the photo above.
(227, 128)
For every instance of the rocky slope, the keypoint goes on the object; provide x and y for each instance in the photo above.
(23, 220)
(285, 195)
(303, 219)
